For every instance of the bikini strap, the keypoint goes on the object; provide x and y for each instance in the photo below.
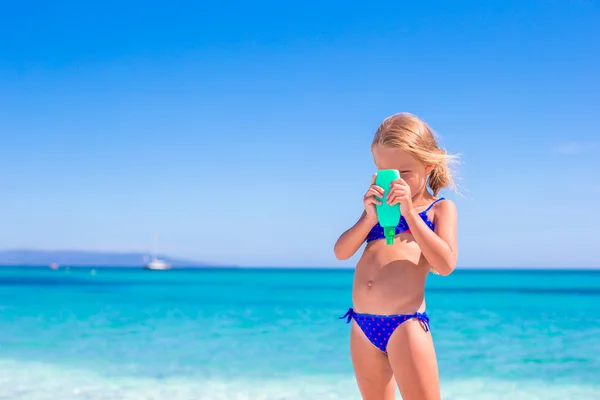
(432, 204)
(349, 314)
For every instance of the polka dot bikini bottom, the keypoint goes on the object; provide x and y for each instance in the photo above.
(379, 328)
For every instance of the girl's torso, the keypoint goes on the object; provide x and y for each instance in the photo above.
(390, 279)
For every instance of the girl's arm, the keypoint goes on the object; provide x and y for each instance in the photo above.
(351, 240)
(440, 247)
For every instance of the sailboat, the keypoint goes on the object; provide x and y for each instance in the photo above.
(156, 263)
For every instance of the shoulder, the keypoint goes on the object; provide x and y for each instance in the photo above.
(445, 210)
(444, 205)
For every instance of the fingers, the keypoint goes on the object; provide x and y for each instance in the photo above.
(396, 192)
(372, 200)
(371, 193)
(398, 184)
(399, 192)
(396, 200)
(378, 190)
(375, 190)
(373, 178)
(399, 181)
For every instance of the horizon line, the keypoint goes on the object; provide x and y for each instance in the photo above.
(330, 268)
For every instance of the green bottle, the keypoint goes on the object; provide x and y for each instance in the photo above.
(388, 216)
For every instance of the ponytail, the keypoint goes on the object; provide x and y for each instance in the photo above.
(438, 178)
(441, 175)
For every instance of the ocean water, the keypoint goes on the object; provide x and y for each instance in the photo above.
(274, 334)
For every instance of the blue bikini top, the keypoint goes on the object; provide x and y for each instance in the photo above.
(376, 232)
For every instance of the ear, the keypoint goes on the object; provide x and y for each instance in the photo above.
(429, 168)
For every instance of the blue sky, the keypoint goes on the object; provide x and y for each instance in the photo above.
(240, 131)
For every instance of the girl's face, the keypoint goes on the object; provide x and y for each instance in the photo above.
(413, 171)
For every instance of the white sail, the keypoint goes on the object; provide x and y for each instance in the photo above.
(156, 263)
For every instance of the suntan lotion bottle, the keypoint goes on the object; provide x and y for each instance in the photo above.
(388, 216)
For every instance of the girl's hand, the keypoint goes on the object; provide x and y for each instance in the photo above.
(400, 194)
(370, 200)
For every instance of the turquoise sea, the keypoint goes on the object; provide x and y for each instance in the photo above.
(274, 334)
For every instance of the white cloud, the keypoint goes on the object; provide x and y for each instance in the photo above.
(569, 148)
(576, 147)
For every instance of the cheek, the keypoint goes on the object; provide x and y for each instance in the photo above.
(415, 182)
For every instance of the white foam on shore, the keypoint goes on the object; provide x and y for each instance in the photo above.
(40, 381)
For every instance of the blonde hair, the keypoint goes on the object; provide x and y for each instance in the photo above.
(411, 134)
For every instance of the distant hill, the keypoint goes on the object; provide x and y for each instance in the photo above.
(85, 258)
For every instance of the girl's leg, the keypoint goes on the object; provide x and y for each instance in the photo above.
(413, 361)
(371, 367)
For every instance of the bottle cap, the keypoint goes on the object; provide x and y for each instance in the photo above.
(389, 232)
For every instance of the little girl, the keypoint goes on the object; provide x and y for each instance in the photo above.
(390, 340)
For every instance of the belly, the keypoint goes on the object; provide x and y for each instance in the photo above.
(390, 279)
